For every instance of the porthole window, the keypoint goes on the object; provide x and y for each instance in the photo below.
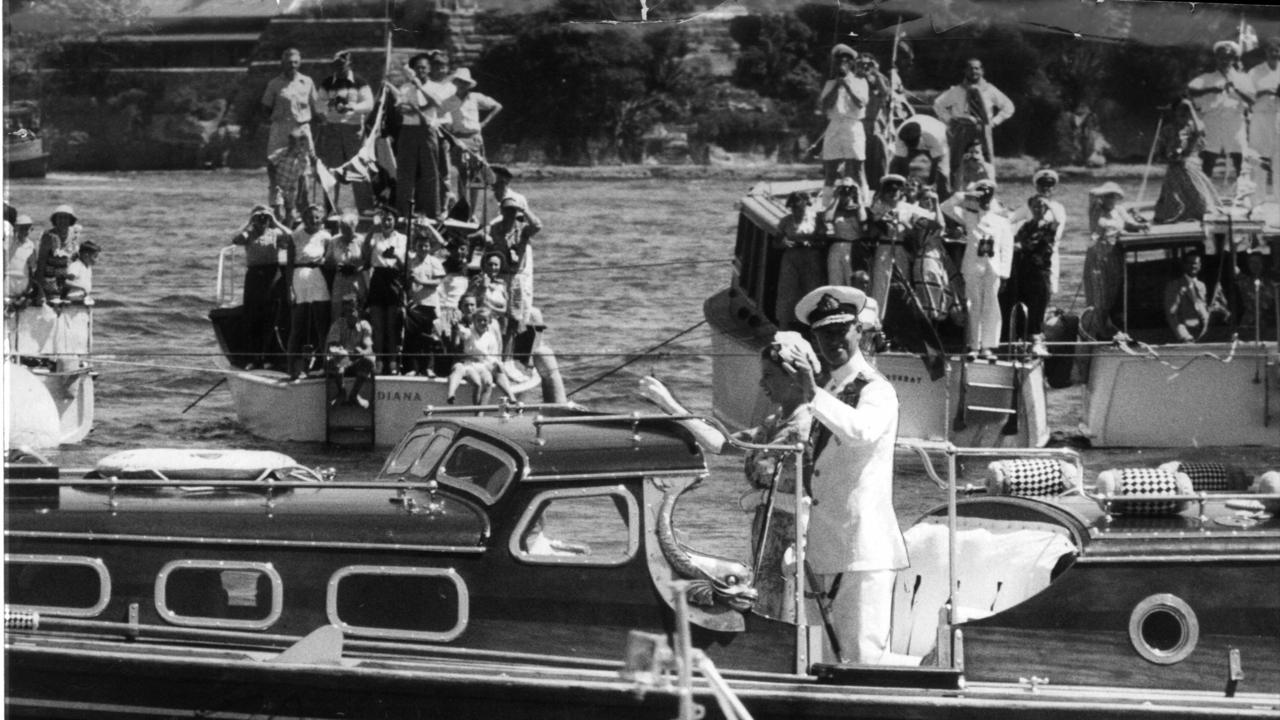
(222, 594)
(580, 526)
(1164, 629)
(66, 585)
(407, 603)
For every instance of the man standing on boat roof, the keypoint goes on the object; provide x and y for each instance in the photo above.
(421, 167)
(855, 547)
(1222, 98)
(971, 111)
(843, 100)
(346, 99)
(291, 102)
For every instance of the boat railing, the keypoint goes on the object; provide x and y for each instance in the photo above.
(505, 408)
(1110, 503)
(636, 418)
(224, 291)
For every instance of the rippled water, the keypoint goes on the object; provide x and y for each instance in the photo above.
(621, 266)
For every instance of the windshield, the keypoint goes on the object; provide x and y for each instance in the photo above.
(419, 452)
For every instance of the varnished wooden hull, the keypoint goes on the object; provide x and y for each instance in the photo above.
(123, 680)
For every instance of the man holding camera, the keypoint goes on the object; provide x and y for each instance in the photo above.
(346, 99)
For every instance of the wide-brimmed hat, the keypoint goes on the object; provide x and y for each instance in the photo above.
(983, 185)
(831, 304)
(1107, 188)
(462, 76)
(22, 220)
(892, 179)
(64, 210)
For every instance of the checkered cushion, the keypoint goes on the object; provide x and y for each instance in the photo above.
(1210, 476)
(1149, 482)
(1030, 477)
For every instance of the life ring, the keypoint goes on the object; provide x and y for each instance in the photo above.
(192, 464)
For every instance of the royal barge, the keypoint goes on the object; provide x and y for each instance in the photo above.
(525, 565)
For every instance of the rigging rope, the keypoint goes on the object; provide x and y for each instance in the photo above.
(634, 358)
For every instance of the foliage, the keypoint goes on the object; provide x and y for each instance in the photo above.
(774, 60)
(570, 84)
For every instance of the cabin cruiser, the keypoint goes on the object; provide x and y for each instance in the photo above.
(1144, 387)
(270, 406)
(996, 402)
(506, 564)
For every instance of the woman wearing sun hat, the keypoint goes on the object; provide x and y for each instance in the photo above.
(57, 246)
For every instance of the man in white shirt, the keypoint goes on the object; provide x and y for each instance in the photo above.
(844, 101)
(971, 111)
(421, 101)
(855, 547)
(1222, 97)
(1263, 133)
(291, 103)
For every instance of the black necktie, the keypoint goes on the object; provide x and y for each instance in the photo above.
(820, 434)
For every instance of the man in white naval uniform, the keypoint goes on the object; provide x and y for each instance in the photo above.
(854, 544)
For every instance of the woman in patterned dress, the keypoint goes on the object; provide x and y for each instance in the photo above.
(1187, 193)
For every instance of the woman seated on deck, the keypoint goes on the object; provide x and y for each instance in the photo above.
(1187, 193)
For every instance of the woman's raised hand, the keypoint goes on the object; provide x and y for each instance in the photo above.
(652, 389)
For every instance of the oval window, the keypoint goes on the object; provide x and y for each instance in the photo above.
(1164, 629)
(406, 603)
(56, 584)
(580, 526)
(215, 593)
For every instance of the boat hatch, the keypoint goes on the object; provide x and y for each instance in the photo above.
(221, 594)
(552, 529)
(465, 462)
(65, 585)
(401, 603)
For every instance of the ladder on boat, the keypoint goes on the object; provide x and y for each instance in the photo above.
(350, 424)
(988, 392)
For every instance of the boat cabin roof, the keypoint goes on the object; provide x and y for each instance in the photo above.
(580, 445)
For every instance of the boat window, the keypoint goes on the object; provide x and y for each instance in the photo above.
(413, 451)
(479, 467)
(579, 526)
(405, 603)
(216, 593)
(56, 584)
